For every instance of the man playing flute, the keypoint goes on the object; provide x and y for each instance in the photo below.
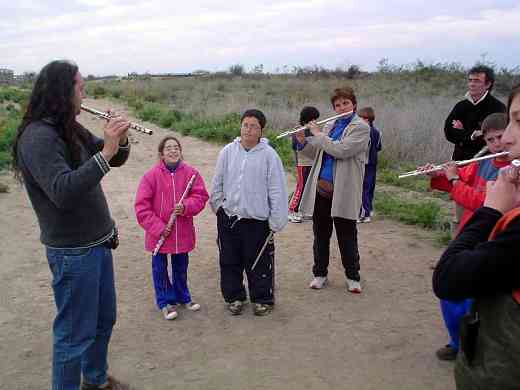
(61, 164)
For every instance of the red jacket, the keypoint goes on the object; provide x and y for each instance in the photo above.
(158, 192)
(470, 190)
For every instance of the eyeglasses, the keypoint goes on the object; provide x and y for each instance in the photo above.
(250, 127)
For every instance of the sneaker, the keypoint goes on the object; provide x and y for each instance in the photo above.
(363, 220)
(295, 218)
(192, 306)
(169, 312)
(236, 307)
(447, 353)
(318, 282)
(353, 286)
(111, 384)
(262, 309)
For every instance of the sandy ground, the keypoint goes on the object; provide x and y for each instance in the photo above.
(384, 338)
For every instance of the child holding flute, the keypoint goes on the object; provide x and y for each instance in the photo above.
(467, 187)
(158, 197)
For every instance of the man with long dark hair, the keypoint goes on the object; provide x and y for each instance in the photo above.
(61, 164)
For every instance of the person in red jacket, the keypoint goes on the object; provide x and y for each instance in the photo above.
(467, 184)
(158, 196)
(467, 187)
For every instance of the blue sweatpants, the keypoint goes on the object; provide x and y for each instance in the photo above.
(452, 313)
(175, 290)
(369, 185)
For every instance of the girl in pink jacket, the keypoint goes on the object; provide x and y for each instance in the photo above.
(158, 195)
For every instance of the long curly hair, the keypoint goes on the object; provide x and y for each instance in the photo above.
(52, 98)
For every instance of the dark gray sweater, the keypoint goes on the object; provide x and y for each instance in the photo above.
(69, 202)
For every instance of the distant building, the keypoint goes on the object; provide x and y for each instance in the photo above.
(161, 76)
(6, 76)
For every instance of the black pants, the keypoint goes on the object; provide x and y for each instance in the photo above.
(239, 243)
(346, 233)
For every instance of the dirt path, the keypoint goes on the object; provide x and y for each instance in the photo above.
(329, 339)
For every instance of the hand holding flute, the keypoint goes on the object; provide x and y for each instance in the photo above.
(313, 128)
(433, 168)
(448, 169)
(178, 210)
(321, 122)
(115, 134)
(504, 193)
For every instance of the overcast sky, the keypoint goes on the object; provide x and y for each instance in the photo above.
(121, 36)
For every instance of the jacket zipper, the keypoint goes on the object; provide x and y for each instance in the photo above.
(175, 224)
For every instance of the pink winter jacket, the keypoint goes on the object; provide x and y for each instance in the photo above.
(158, 192)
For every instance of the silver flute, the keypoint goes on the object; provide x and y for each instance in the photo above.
(458, 163)
(104, 115)
(323, 121)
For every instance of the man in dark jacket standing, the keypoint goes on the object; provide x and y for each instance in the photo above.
(462, 127)
(61, 164)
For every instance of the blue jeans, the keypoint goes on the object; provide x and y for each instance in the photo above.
(85, 297)
(174, 291)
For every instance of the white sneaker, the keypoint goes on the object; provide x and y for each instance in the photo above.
(318, 282)
(169, 312)
(353, 286)
(295, 218)
(192, 306)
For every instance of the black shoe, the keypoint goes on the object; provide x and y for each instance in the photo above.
(447, 353)
(262, 309)
(236, 307)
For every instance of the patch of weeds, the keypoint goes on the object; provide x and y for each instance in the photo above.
(427, 214)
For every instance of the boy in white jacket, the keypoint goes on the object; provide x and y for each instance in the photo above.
(249, 197)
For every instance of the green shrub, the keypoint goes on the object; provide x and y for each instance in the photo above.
(283, 148)
(115, 93)
(168, 118)
(425, 213)
(150, 112)
(99, 91)
(135, 103)
(9, 121)
(14, 95)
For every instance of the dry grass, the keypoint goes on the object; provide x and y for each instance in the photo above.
(410, 112)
